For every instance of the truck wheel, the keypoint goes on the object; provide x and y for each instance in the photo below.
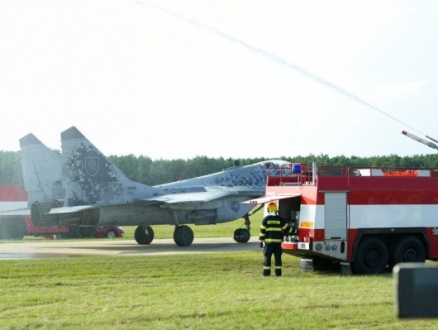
(371, 257)
(144, 235)
(407, 249)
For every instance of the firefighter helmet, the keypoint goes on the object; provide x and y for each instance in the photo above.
(272, 207)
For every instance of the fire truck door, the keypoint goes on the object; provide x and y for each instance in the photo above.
(335, 215)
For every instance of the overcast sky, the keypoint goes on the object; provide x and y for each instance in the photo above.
(180, 79)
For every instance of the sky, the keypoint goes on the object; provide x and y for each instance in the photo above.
(221, 78)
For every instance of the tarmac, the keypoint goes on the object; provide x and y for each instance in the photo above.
(117, 247)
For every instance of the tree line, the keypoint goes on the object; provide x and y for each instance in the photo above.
(152, 172)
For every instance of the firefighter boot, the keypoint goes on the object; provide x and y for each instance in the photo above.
(278, 271)
(266, 271)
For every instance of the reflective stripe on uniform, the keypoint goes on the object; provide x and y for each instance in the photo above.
(273, 240)
(274, 229)
(273, 222)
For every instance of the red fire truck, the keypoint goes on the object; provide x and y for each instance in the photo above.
(17, 223)
(367, 218)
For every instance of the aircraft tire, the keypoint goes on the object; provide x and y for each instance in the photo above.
(87, 232)
(183, 235)
(13, 228)
(144, 235)
(241, 235)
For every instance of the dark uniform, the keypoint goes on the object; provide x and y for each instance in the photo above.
(272, 230)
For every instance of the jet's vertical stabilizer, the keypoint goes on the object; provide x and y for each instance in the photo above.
(91, 178)
(42, 171)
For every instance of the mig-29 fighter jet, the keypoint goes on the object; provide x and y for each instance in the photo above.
(98, 193)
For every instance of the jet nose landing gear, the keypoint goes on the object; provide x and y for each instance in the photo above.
(242, 235)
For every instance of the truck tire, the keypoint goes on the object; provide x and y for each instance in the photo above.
(407, 249)
(371, 257)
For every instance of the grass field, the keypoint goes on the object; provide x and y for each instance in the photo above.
(197, 291)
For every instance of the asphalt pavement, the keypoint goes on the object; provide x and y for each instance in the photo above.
(117, 247)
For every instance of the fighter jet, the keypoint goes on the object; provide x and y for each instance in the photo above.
(98, 193)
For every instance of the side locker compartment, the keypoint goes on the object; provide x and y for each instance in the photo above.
(335, 218)
(290, 210)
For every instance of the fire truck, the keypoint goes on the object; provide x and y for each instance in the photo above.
(364, 219)
(16, 222)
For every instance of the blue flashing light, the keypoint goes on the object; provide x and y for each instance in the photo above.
(296, 168)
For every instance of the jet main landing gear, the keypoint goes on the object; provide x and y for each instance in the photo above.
(183, 235)
(144, 235)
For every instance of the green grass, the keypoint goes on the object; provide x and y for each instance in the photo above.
(199, 291)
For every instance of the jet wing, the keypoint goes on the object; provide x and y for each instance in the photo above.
(193, 197)
(171, 199)
(267, 199)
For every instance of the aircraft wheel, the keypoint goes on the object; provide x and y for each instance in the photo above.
(144, 235)
(183, 235)
(14, 228)
(87, 232)
(241, 235)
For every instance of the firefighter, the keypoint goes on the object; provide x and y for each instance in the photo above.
(272, 230)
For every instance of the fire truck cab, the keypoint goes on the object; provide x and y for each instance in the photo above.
(368, 218)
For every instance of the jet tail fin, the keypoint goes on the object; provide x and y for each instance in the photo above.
(41, 167)
(91, 178)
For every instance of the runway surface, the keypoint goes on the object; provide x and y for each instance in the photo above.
(117, 247)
